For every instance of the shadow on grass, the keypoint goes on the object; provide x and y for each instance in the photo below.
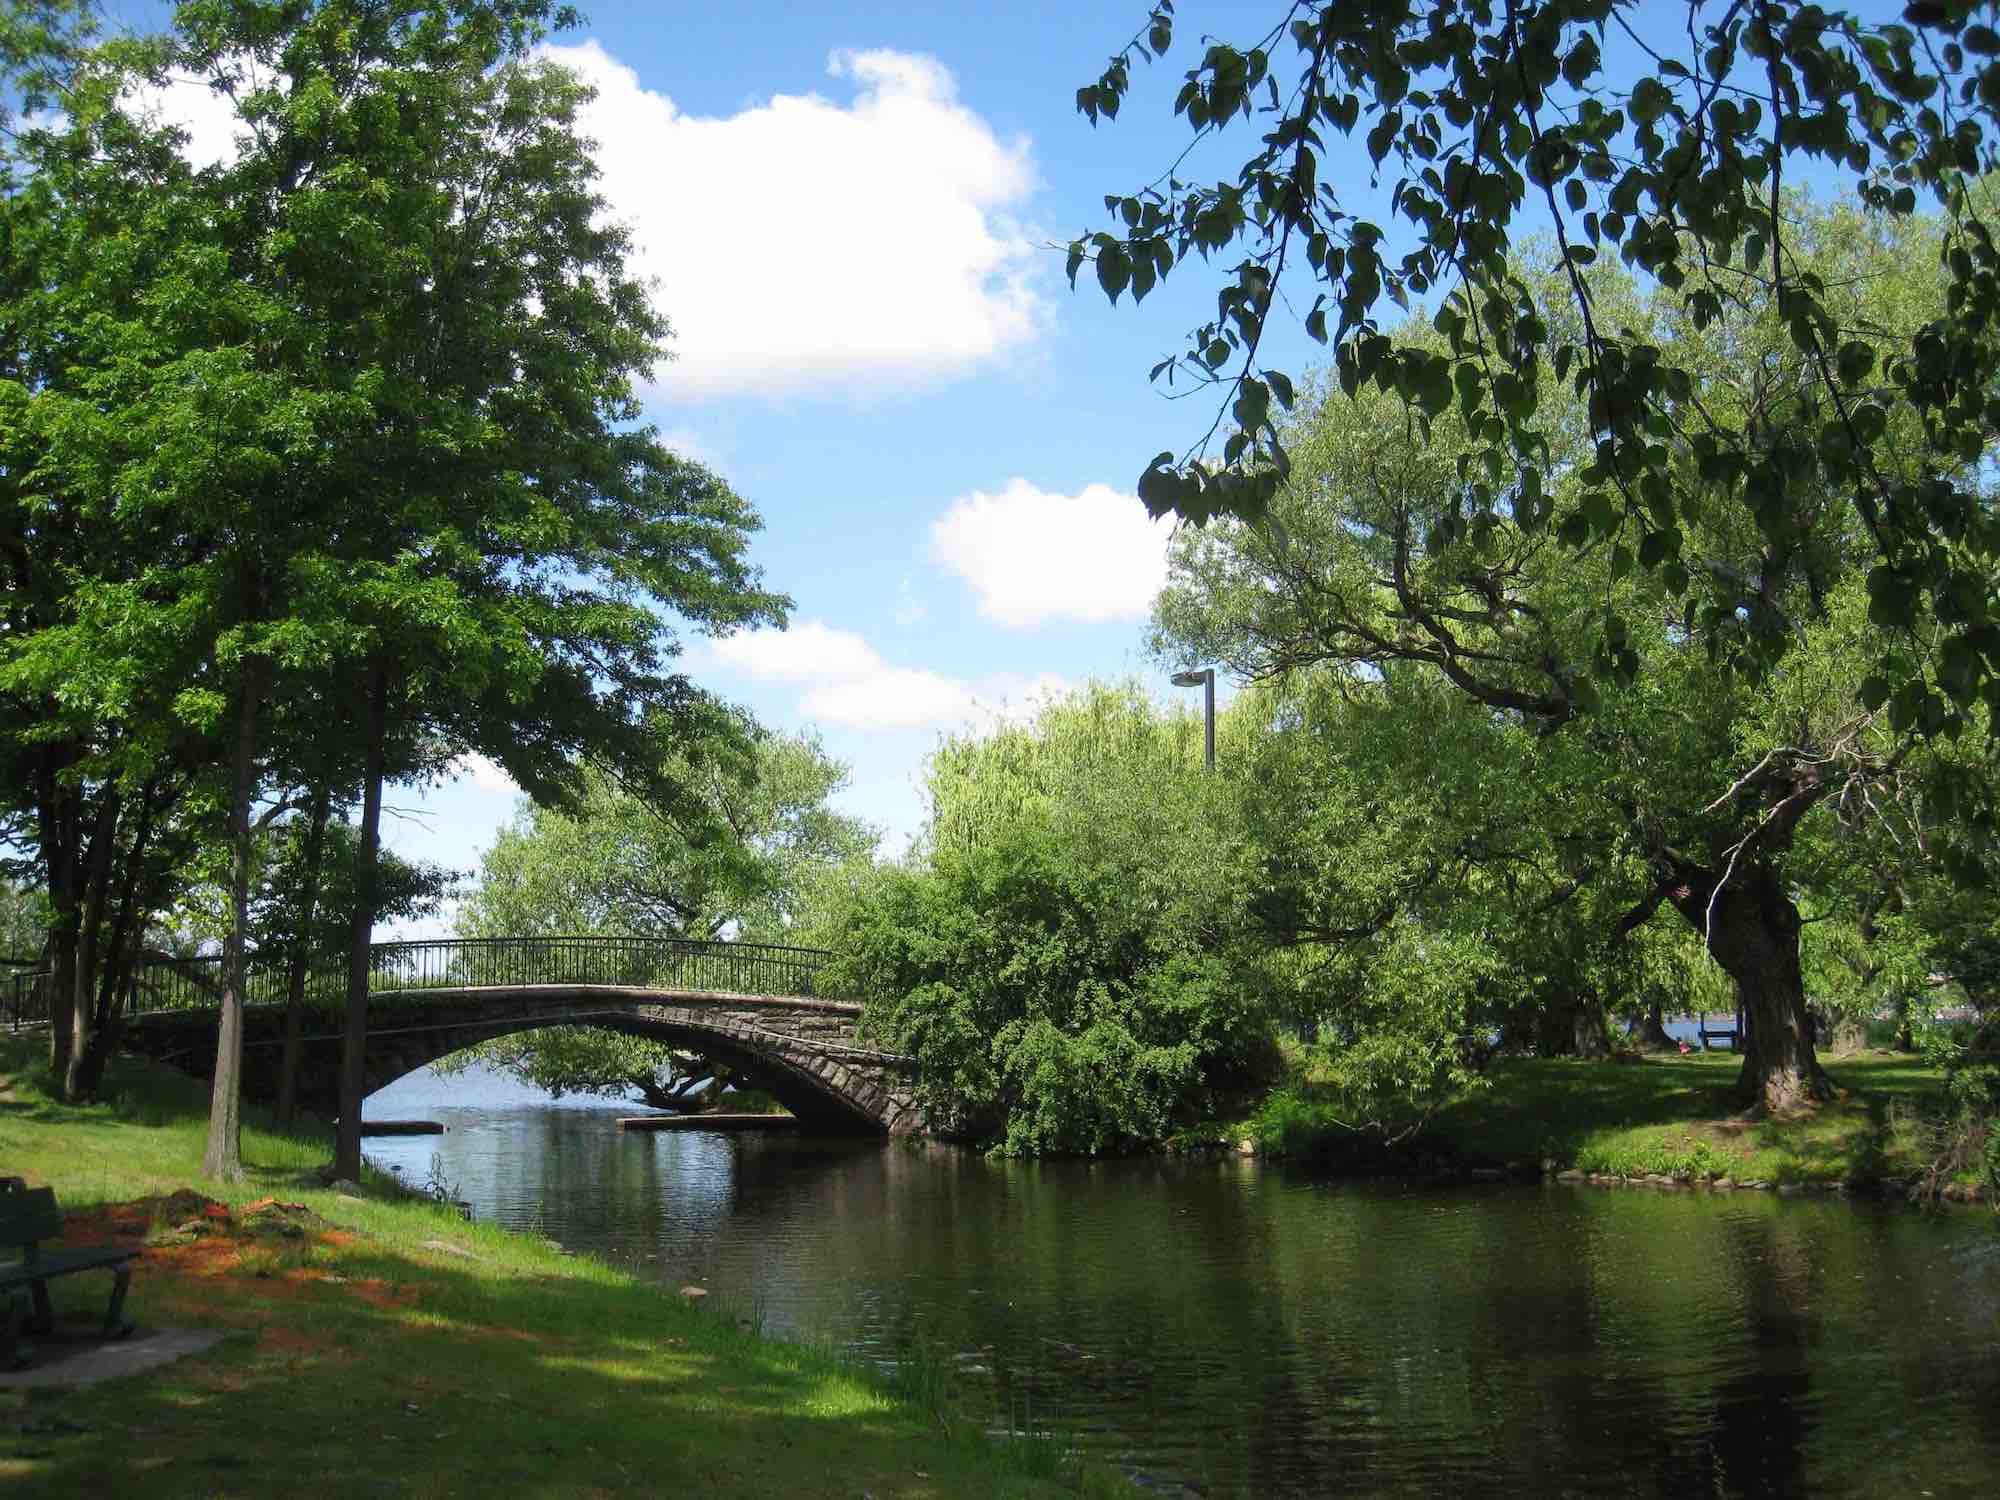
(1684, 1114)
(376, 1363)
(1677, 1115)
(1548, 1108)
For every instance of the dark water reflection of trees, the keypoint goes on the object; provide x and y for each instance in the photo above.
(1255, 1332)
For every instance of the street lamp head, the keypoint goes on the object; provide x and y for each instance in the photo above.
(1203, 678)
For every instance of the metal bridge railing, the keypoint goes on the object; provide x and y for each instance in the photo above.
(27, 997)
(455, 963)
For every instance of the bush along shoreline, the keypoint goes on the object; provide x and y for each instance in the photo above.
(378, 1340)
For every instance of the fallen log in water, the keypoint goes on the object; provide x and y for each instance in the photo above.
(708, 1122)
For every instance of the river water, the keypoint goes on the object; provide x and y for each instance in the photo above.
(1221, 1327)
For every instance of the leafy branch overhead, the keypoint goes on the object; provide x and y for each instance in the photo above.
(1671, 139)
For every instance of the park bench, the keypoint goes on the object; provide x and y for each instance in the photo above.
(28, 1215)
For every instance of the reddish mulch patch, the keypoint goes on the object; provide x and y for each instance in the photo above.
(276, 1340)
(210, 1257)
(379, 1293)
(205, 1239)
(108, 1225)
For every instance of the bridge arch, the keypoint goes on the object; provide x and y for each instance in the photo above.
(753, 1006)
(830, 1084)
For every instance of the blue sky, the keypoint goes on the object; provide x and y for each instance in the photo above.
(851, 213)
(855, 216)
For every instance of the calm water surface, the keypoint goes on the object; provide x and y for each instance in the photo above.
(1233, 1329)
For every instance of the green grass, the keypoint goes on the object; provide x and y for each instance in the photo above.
(1671, 1115)
(411, 1353)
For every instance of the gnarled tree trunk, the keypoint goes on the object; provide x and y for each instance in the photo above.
(1752, 928)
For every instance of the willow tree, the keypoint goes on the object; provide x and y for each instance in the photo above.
(1630, 752)
(722, 842)
(1061, 956)
(1660, 136)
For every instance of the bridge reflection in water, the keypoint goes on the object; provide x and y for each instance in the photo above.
(754, 1006)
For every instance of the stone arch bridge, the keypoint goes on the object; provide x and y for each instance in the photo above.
(751, 1005)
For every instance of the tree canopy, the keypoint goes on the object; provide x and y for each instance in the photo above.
(349, 417)
(1665, 139)
(723, 838)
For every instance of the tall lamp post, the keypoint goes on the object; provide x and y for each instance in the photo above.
(1204, 679)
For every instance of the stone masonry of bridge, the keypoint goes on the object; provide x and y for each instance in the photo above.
(803, 1051)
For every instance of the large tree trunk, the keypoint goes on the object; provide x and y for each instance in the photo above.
(89, 1064)
(1755, 938)
(1650, 1035)
(57, 808)
(354, 1043)
(295, 989)
(96, 893)
(57, 989)
(224, 1157)
(1572, 1025)
(120, 956)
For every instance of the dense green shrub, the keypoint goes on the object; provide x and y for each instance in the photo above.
(1064, 957)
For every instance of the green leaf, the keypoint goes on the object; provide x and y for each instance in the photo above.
(1580, 64)
(1161, 486)
(1113, 270)
(1856, 360)
(1656, 547)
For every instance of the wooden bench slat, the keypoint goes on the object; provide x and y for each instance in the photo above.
(61, 1263)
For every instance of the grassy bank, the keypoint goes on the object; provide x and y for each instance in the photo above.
(1672, 1115)
(380, 1345)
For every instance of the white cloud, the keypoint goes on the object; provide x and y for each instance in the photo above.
(804, 243)
(804, 653)
(799, 244)
(909, 608)
(1032, 557)
(207, 114)
(847, 682)
(487, 775)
